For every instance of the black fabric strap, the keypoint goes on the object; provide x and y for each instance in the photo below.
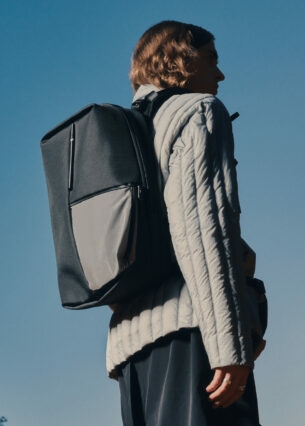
(149, 104)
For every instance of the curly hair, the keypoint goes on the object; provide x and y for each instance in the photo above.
(164, 54)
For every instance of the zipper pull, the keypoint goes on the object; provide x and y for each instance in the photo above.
(71, 156)
(139, 192)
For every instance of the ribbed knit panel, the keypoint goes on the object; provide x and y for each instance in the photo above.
(158, 314)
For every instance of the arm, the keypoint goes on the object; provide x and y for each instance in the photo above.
(203, 210)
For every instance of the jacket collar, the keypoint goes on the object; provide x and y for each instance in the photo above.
(144, 90)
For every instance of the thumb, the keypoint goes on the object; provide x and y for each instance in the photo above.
(217, 380)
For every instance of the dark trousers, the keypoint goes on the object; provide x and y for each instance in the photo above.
(164, 385)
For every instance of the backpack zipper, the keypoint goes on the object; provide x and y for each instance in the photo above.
(133, 225)
(71, 156)
(136, 145)
(133, 187)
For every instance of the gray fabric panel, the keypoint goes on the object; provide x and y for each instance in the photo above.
(101, 228)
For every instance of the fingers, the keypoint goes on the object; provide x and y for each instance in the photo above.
(230, 395)
(218, 378)
(227, 385)
(225, 392)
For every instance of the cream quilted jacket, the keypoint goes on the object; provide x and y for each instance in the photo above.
(194, 146)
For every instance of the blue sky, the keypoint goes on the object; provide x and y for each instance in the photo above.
(56, 57)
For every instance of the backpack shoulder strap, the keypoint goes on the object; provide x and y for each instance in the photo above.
(149, 104)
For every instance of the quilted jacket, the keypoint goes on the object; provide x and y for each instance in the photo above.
(195, 150)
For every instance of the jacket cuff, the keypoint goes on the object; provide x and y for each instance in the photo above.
(227, 349)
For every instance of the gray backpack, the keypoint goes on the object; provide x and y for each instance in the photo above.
(110, 231)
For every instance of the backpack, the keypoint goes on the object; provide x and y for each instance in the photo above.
(110, 230)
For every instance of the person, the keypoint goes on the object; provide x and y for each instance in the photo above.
(183, 352)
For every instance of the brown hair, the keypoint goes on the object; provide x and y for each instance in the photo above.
(164, 54)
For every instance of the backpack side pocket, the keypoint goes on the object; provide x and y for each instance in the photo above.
(104, 228)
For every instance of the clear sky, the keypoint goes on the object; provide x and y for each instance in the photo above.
(56, 57)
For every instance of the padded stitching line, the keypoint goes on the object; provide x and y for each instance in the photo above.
(189, 247)
(231, 275)
(204, 251)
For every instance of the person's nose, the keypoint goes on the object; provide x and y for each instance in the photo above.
(220, 75)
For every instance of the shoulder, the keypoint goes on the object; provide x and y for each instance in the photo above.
(187, 107)
(211, 109)
(187, 116)
(198, 101)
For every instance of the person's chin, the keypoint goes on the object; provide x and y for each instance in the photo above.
(213, 90)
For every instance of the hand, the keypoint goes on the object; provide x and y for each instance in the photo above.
(228, 385)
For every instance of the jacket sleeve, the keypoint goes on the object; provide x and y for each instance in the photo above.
(203, 211)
